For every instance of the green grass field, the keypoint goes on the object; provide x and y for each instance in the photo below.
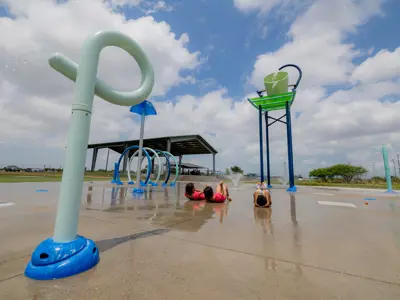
(6, 177)
(379, 185)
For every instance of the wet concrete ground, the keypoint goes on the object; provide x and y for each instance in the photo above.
(162, 246)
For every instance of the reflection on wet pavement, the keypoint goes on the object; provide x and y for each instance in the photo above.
(163, 206)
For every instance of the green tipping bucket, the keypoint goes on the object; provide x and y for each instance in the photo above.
(276, 83)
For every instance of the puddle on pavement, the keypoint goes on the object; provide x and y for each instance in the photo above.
(163, 206)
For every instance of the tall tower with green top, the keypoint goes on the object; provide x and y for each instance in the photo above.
(276, 96)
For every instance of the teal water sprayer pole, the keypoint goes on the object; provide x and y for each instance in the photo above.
(66, 253)
(387, 170)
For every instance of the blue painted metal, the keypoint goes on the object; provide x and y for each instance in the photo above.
(267, 150)
(115, 174)
(261, 144)
(118, 180)
(138, 191)
(292, 187)
(146, 107)
(52, 260)
(300, 74)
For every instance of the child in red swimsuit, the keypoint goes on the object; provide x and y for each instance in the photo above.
(192, 194)
(220, 195)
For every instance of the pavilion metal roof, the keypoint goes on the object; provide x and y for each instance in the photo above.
(180, 145)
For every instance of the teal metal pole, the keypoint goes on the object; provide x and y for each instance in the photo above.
(66, 253)
(66, 226)
(140, 154)
(387, 169)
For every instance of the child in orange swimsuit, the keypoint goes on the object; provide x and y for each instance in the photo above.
(192, 194)
(220, 195)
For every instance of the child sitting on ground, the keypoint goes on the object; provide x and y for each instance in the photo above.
(192, 194)
(220, 195)
(262, 197)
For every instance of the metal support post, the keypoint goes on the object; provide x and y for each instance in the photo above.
(261, 145)
(292, 187)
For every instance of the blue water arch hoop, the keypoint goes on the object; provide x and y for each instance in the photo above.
(176, 167)
(149, 167)
(168, 164)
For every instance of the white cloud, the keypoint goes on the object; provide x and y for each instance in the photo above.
(35, 100)
(262, 5)
(146, 6)
(333, 127)
(159, 6)
(126, 2)
(352, 120)
(383, 66)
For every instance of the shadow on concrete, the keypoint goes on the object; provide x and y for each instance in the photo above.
(108, 244)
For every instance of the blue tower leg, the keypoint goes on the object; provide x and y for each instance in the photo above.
(267, 150)
(261, 144)
(292, 187)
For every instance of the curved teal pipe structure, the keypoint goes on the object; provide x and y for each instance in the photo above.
(66, 253)
(118, 180)
(173, 183)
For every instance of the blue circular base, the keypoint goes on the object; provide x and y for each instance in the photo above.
(113, 181)
(164, 184)
(131, 182)
(143, 184)
(172, 184)
(292, 189)
(52, 260)
(119, 182)
(269, 186)
(138, 190)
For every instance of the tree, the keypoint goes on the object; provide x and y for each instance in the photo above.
(236, 169)
(320, 173)
(227, 171)
(347, 172)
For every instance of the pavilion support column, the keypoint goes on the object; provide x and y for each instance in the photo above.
(108, 155)
(213, 163)
(169, 145)
(180, 164)
(94, 158)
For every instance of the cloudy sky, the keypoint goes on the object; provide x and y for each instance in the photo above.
(208, 57)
